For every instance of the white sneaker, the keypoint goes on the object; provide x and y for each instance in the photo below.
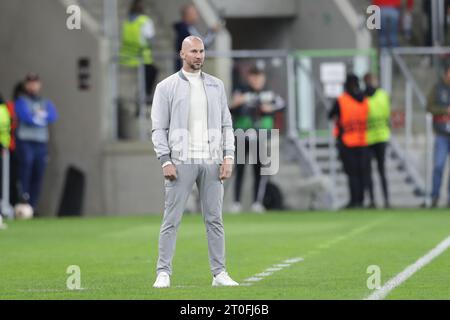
(236, 207)
(258, 207)
(2, 225)
(162, 280)
(223, 280)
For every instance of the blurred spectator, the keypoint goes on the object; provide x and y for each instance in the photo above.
(138, 32)
(14, 182)
(390, 20)
(34, 114)
(378, 132)
(5, 137)
(5, 124)
(190, 17)
(351, 112)
(253, 106)
(439, 105)
(407, 25)
(427, 10)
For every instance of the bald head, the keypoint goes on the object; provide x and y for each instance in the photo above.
(190, 41)
(192, 53)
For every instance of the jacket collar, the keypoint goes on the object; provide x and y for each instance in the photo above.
(182, 76)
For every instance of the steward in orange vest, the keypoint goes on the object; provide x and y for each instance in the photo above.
(350, 113)
(351, 126)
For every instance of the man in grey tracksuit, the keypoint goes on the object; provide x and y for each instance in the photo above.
(192, 134)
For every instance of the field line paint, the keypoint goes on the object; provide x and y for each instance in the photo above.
(409, 271)
(264, 274)
(288, 262)
(295, 260)
(327, 244)
(253, 279)
(270, 271)
(50, 290)
(273, 269)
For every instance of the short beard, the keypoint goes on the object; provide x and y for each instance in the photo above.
(194, 67)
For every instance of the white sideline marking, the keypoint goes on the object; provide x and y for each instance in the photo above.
(273, 269)
(327, 244)
(50, 290)
(270, 271)
(295, 260)
(409, 271)
(288, 262)
(282, 265)
(253, 279)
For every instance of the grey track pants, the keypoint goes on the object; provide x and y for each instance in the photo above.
(211, 196)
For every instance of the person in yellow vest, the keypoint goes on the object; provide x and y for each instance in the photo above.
(5, 125)
(5, 138)
(138, 32)
(350, 113)
(378, 132)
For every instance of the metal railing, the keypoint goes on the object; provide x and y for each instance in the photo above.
(396, 57)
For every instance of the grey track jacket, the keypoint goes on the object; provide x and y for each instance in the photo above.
(170, 117)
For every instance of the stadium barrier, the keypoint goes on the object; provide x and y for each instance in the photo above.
(408, 70)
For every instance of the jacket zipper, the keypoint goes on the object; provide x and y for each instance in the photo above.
(207, 115)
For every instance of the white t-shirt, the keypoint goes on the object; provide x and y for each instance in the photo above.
(198, 118)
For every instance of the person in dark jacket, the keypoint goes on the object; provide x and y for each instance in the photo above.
(438, 105)
(186, 28)
(34, 114)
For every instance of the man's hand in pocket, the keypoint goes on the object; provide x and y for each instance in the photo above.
(170, 172)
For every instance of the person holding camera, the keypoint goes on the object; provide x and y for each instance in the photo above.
(253, 107)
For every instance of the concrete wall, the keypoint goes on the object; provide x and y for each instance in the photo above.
(320, 25)
(260, 33)
(132, 179)
(256, 8)
(312, 24)
(43, 44)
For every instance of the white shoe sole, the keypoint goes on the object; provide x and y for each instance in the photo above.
(161, 284)
(215, 284)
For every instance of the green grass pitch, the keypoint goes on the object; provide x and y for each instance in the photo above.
(117, 256)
